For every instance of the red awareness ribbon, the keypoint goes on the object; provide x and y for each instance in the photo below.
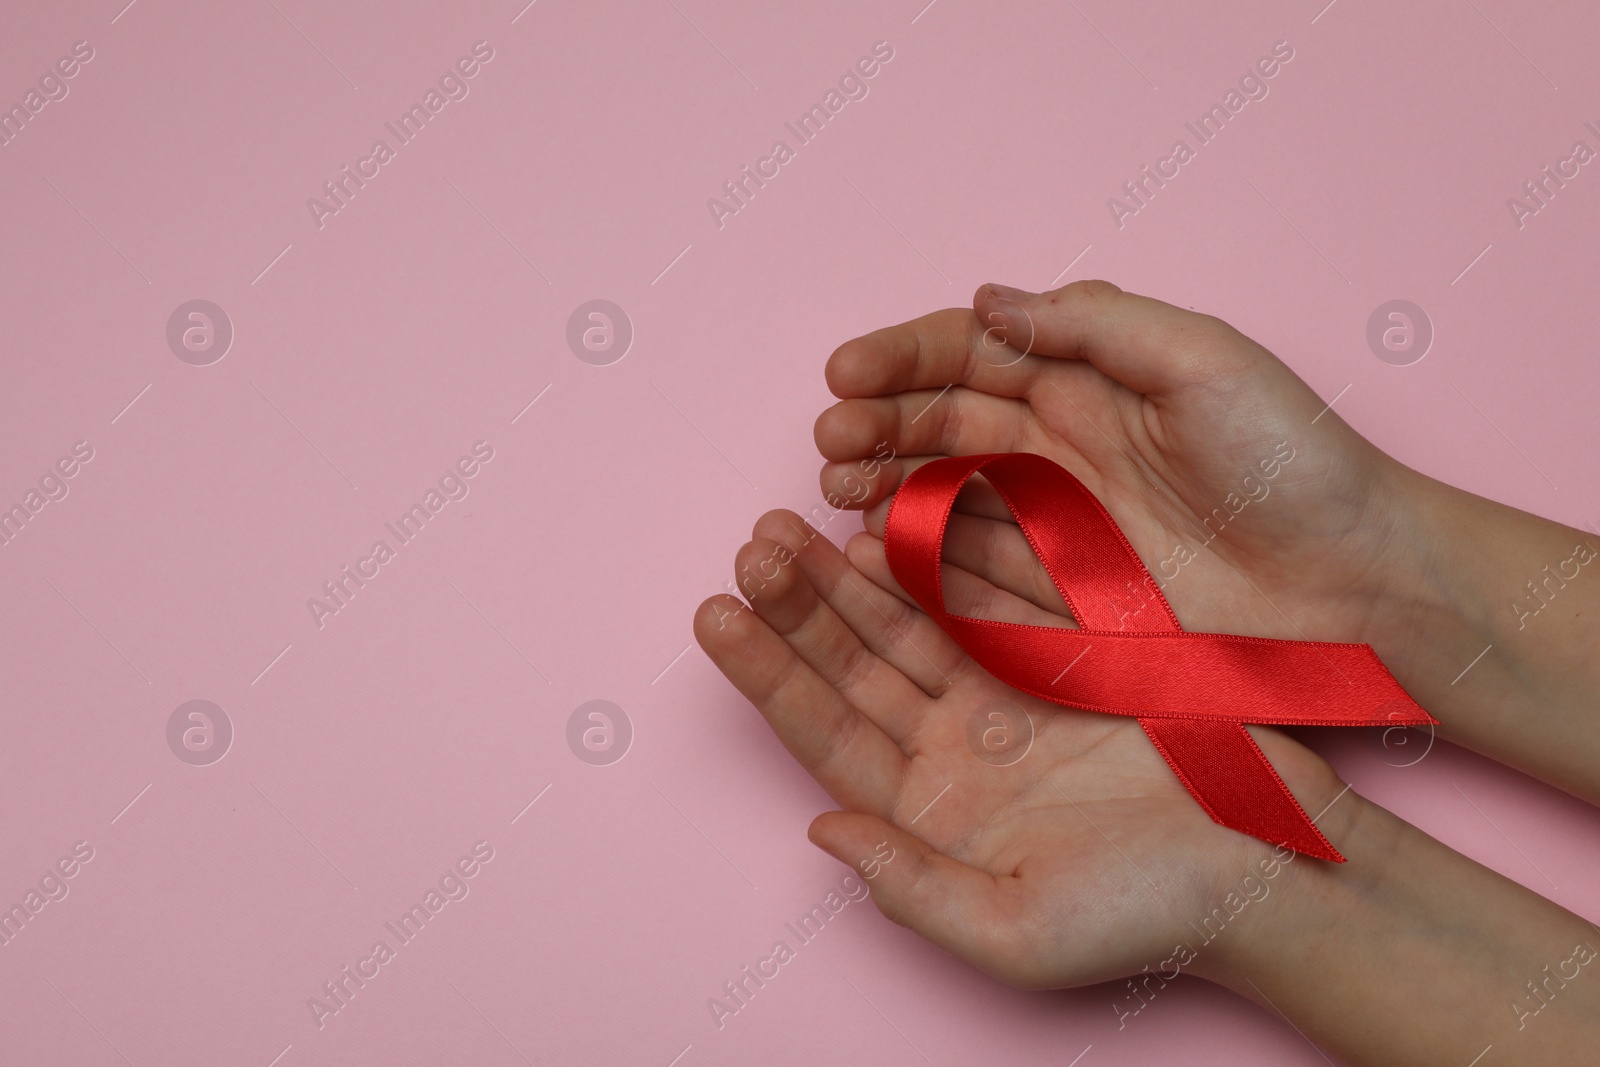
(1192, 692)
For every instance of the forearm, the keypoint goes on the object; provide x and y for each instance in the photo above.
(1411, 954)
(1494, 626)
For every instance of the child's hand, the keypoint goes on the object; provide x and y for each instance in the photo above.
(1257, 509)
(1082, 860)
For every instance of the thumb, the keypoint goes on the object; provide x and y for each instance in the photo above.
(1145, 344)
(968, 912)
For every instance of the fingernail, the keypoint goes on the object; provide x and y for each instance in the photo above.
(1006, 292)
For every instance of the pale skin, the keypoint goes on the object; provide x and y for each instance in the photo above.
(1086, 860)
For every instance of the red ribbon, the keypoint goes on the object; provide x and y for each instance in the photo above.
(1192, 692)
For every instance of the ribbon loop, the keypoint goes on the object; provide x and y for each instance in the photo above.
(1191, 692)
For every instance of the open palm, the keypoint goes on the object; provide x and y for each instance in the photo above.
(1060, 852)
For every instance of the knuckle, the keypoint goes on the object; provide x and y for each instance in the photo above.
(1084, 293)
(1214, 348)
(952, 420)
(838, 742)
(855, 664)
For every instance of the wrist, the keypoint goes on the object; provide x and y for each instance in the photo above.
(1311, 902)
(1487, 620)
(1410, 953)
(1472, 572)
(1419, 598)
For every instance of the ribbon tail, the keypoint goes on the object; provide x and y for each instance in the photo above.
(1224, 769)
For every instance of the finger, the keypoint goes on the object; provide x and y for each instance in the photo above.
(965, 593)
(951, 346)
(1148, 345)
(786, 601)
(951, 421)
(846, 753)
(976, 915)
(905, 640)
(999, 552)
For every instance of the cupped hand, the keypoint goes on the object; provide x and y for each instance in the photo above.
(1254, 506)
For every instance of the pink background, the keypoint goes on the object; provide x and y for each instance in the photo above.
(369, 354)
